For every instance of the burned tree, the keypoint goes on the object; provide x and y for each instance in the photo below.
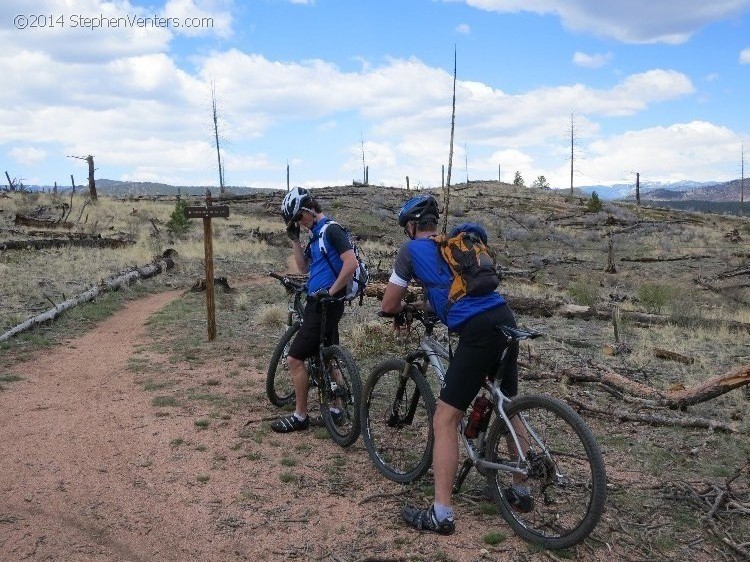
(92, 184)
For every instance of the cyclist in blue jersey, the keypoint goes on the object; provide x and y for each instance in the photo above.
(475, 319)
(329, 274)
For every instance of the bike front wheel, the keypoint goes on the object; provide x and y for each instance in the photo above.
(279, 386)
(339, 399)
(397, 411)
(566, 474)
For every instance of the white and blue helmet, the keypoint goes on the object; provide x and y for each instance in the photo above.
(298, 199)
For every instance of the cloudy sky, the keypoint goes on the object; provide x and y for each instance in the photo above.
(656, 87)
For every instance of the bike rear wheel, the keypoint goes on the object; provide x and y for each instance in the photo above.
(397, 411)
(568, 481)
(339, 402)
(279, 386)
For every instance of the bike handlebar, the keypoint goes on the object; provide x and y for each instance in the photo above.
(425, 317)
(300, 288)
(288, 283)
(430, 319)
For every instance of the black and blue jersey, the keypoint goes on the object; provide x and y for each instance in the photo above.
(420, 259)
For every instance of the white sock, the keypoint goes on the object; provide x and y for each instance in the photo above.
(443, 512)
(300, 417)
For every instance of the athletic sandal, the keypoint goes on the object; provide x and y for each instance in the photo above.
(425, 520)
(290, 423)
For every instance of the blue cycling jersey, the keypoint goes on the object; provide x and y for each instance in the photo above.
(321, 275)
(420, 259)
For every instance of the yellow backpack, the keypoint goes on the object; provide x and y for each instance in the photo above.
(470, 260)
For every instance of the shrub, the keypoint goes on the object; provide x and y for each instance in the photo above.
(583, 293)
(178, 223)
(654, 296)
(594, 204)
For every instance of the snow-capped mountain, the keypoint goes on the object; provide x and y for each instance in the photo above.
(627, 190)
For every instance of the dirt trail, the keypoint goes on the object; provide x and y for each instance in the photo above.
(90, 471)
(74, 434)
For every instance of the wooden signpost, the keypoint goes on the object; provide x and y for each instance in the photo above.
(207, 213)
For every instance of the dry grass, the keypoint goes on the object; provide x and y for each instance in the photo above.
(546, 233)
(30, 281)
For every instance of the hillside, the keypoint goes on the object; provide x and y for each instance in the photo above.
(640, 307)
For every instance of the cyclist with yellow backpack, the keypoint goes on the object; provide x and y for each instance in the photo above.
(459, 280)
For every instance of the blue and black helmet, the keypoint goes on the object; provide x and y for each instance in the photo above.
(418, 208)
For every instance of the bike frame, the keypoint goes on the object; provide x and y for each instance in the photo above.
(435, 353)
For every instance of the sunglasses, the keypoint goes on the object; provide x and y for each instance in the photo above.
(298, 216)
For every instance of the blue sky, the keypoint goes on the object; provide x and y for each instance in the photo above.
(656, 87)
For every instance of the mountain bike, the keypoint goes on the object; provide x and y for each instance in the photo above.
(536, 439)
(332, 371)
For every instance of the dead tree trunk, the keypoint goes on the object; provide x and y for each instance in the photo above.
(610, 257)
(638, 189)
(450, 151)
(92, 183)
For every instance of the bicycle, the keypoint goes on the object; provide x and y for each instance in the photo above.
(332, 371)
(554, 451)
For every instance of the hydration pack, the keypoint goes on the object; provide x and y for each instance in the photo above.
(356, 286)
(470, 260)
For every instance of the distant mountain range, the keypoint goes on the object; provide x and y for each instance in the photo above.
(650, 191)
(117, 188)
(673, 191)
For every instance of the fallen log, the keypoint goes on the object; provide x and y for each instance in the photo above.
(111, 284)
(79, 242)
(219, 283)
(22, 220)
(655, 419)
(676, 258)
(662, 353)
(546, 308)
(679, 398)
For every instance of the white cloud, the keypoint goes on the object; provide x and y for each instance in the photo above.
(591, 61)
(630, 21)
(463, 28)
(27, 155)
(745, 56)
(684, 151)
(143, 114)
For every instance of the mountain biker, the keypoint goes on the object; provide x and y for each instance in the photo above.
(475, 319)
(329, 275)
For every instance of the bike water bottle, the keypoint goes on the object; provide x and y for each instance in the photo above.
(477, 416)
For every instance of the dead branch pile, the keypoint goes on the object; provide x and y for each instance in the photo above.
(722, 502)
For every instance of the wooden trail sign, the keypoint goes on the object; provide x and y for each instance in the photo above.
(207, 213)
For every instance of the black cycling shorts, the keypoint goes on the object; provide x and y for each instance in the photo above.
(307, 340)
(476, 357)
